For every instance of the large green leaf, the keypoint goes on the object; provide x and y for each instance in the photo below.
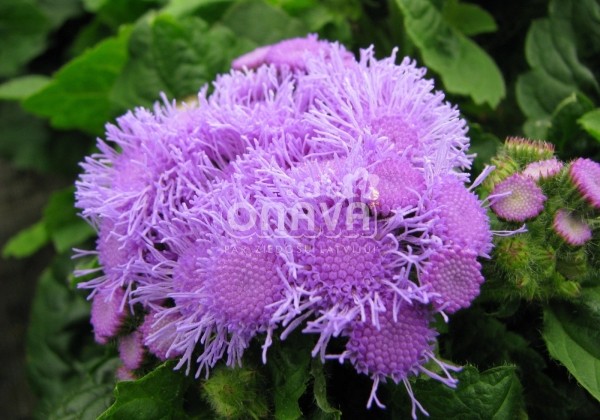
(78, 96)
(176, 57)
(572, 335)
(158, 395)
(493, 394)
(62, 358)
(557, 71)
(27, 241)
(464, 67)
(469, 19)
(289, 363)
(280, 25)
(23, 30)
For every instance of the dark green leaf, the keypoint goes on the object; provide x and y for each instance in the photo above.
(564, 129)
(78, 97)
(87, 401)
(58, 11)
(320, 391)
(174, 57)
(572, 335)
(23, 30)
(55, 338)
(22, 87)
(26, 242)
(118, 12)
(464, 67)
(158, 395)
(469, 19)
(289, 365)
(591, 123)
(65, 227)
(493, 394)
(280, 25)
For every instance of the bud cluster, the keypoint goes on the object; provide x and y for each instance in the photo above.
(558, 204)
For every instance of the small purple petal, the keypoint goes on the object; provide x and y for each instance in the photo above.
(543, 169)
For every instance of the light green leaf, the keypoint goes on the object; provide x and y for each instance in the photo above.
(22, 87)
(26, 242)
(158, 395)
(493, 394)
(591, 123)
(464, 67)
(572, 335)
(469, 19)
(564, 131)
(176, 57)
(78, 97)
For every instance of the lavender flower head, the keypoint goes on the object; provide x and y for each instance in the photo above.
(310, 192)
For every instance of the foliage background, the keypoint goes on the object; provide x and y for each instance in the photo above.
(68, 66)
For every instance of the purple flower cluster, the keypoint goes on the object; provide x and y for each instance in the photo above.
(309, 191)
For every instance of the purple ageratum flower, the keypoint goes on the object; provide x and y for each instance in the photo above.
(585, 175)
(543, 169)
(398, 348)
(382, 98)
(399, 184)
(131, 350)
(571, 228)
(518, 198)
(462, 219)
(454, 275)
(290, 53)
(108, 313)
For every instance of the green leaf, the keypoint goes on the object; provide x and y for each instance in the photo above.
(493, 394)
(85, 402)
(320, 390)
(59, 335)
(590, 122)
(280, 25)
(572, 335)
(289, 365)
(65, 227)
(22, 87)
(564, 131)
(158, 395)
(78, 96)
(469, 19)
(26, 242)
(464, 67)
(23, 30)
(176, 57)
(557, 71)
(118, 12)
